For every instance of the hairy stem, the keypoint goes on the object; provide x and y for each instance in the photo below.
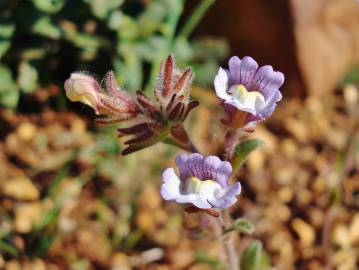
(230, 143)
(229, 242)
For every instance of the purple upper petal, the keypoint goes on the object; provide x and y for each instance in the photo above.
(209, 168)
(210, 165)
(245, 71)
(266, 81)
(184, 170)
(242, 71)
(223, 173)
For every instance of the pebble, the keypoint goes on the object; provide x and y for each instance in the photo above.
(21, 188)
(305, 232)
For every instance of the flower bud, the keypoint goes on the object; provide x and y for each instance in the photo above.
(83, 88)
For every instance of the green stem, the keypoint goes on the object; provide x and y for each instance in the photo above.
(195, 18)
(170, 29)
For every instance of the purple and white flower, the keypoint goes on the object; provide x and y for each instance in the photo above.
(202, 182)
(246, 88)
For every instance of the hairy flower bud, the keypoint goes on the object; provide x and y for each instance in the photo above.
(83, 88)
(146, 121)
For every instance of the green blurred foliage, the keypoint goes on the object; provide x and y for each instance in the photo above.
(254, 257)
(243, 150)
(241, 225)
(43, 41)
(352, 77)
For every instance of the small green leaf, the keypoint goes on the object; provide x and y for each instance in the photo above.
(85, 41)
(130, 69)
(202, 257)
(152, 18)
(7, 248)
(49, 6)
(27, 78)
(115, 20)
(128, 30)
(254, 257)
(146, 47)
(33, 54)
(243, 150)
(7, 29)
(183, 50)
(102, 8)
(4, 46)
(352, 76)
(45, 27)
(9, 93)
(242, 225)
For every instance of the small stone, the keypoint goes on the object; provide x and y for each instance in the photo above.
(341, 236)
(351, 94)
(320, 185)
(149, 197)
(316, 217)
(26, 131)
(13, 265)
(256, 160)
(305, 232)
(304, 197)
(354, 229)
(285, 194)
(26, 215)
(345, 259)
(2, 262)
(120, 261)
(182, 256)
(21, 188)
(37, 264)
(145, 221)
(99, 252)
(290, 149)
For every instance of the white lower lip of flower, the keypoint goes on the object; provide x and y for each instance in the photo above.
(251, 101)
(206, 189)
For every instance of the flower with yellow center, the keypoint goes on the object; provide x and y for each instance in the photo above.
(246, 88)
(202, 182)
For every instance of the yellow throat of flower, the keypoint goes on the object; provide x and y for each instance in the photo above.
(195, 185)
(250, 99)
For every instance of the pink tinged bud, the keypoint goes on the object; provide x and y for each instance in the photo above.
(167, 78)
(173, 90)
(184, 82)
(118, 93)
(113, 105)
(83, 88)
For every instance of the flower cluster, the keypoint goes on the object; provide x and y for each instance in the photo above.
(249, 94)
(145, 120)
